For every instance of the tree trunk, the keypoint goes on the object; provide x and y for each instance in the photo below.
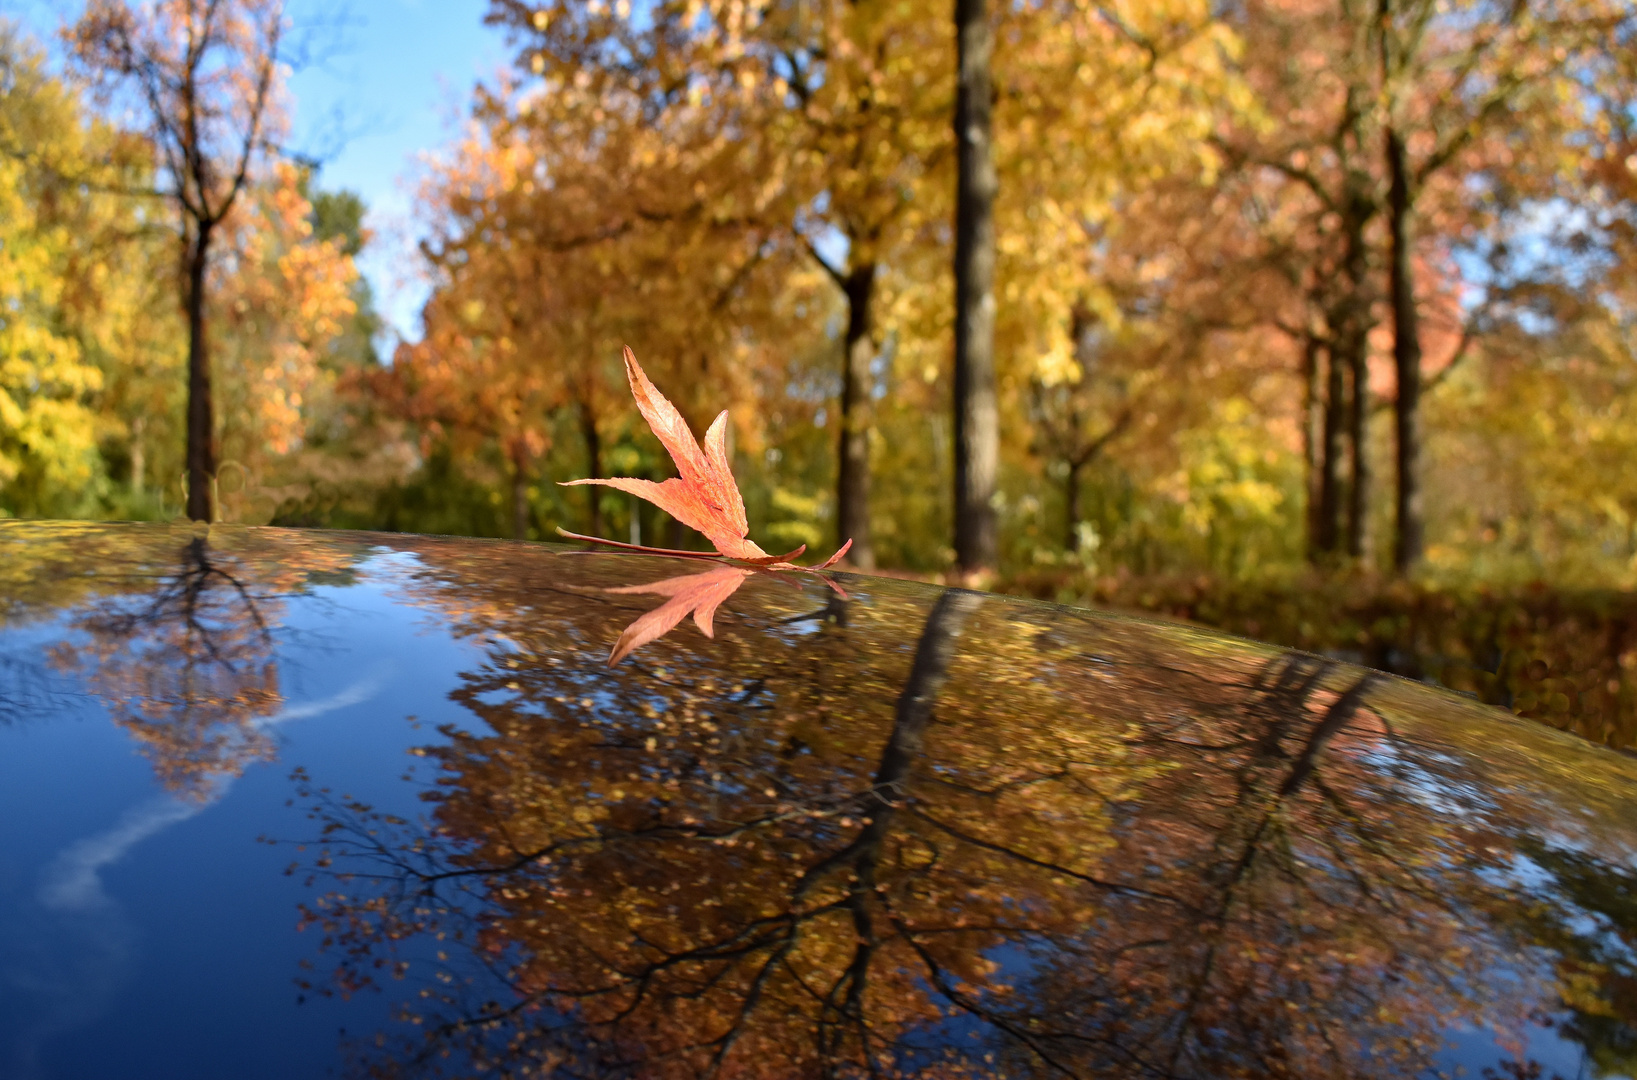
(1358, 506)
(1071, 508)
(1312, 440)
(594, 467)
(1335, 397)
(520, 497)
(977, 426)
(1409, 539)
(1353, 342)
(139, 457)
(853, 452)
(201, 440)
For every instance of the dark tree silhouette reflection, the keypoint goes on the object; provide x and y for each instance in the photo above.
(174, 634)
(941, 835)
(187, 667)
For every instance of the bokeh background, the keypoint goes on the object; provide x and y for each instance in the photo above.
(1313, 317)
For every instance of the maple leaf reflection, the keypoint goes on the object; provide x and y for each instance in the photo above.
(698, 594)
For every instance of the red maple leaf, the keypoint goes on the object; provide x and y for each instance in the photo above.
(700, 594)
(703, 496)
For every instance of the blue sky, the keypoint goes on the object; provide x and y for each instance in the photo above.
(392, 85)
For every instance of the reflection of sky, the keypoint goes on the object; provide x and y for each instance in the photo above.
(1469, 1051)
(161, 924)
(72, 881)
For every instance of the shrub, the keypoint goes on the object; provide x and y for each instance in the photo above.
(1564, 657)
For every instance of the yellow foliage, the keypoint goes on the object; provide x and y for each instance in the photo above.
(48, 423)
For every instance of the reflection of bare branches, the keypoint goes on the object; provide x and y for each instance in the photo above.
(1097, 856)
(753, 961)
(187, 668)
(27, 690)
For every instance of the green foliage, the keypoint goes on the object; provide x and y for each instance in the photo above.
(339, 215)
(798, 520)
(1534, 448)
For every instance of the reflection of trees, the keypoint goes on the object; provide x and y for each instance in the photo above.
(26, 688)
(1299, 918)
(1599, 967)
(1088, 849)
(174, 630)
(186, 667)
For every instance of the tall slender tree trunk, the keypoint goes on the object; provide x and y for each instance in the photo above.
(1409, 536)
(1312, 439)
(1358, 494)
(853, 453)
(139, 456)
(1330, 494)
(201, 440)
(1071, 508)
(977, 423)
(594, 467)
(1353, 341)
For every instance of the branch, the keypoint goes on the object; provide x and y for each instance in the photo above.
(1461, 137)
(1089, 452)
(835, 275)
(1306, 177)
(1463, 349)
(1124, 29)
(264, 87)
(725, 293)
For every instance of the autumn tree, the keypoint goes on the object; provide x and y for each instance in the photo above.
(838, 107)
(1528, 440)
(48, 429)
(1384, 116)
(281, 298)
(206, 73)
(866, 92)
(102, 290)
(1108, 250)
(575, 218)
(1482, 93)
(1318, 200)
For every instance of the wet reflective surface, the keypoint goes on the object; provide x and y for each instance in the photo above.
(278, 804)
